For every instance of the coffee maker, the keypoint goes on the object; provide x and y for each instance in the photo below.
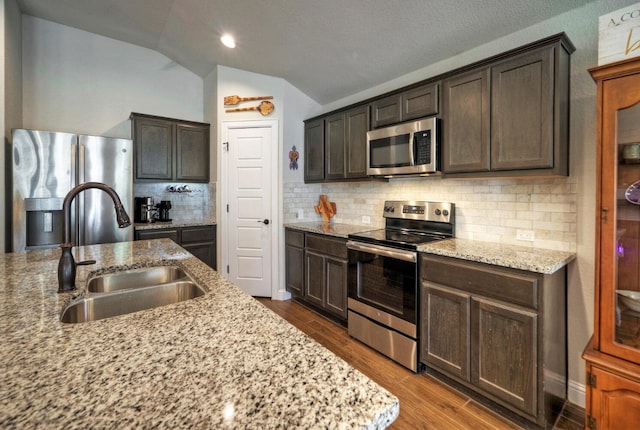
(163, 210)
(144, 209)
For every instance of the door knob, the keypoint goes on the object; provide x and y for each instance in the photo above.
(265, 221)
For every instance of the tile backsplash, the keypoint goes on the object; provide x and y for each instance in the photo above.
(493, 210)
(199, 203)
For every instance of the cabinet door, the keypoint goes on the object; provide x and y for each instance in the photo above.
(294, 270)
(334, 146)
(153, 139)
(420, 102)
(522, 108)
(504, 353)
(357, 125)
(445, 337)
(336, 287)
(192, 153)
(314, 151)
(314, 278)
(204, 251)
(294, 261)
(465, 117)
(619, 224)
(615, 401)
(386, 111)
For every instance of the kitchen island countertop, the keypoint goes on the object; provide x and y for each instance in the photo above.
(220, 361)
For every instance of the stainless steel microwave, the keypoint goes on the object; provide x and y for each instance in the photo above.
(410, 148)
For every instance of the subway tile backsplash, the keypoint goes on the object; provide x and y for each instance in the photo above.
(197, 204)
(489, 210)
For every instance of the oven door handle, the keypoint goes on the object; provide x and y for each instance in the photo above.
(383, 251)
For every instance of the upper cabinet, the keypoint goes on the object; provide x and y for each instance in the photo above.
(169, 149)
(411, 104)
(507, 115)
(510, 116)
(335, 146)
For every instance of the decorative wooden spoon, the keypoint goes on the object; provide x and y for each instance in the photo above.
(234, 100)
(265, 108)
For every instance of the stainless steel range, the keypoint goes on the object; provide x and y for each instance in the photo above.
(383, 276)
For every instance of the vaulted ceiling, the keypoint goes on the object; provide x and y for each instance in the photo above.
(328, 49)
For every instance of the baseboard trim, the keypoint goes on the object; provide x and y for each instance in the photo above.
(577, 393)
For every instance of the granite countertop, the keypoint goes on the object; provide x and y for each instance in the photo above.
(329, 229)
(174, 223)
(219, 361)
(517, 257)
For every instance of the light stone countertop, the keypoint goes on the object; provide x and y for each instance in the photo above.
(517, 257)
(175, 223)
(220, 361)
(329, 229)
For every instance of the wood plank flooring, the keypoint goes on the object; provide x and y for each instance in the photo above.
(425, 402)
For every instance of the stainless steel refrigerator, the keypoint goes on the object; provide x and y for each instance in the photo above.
(46, 165)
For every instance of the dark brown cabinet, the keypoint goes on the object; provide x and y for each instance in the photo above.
(465, 109)
(167, 149)
(411, 104)
(294, 261)
(497, 331)
(314, 150)
(613, 353)
(326, 271)
(198, 240)
(335, 146)
(510, 116)
(316, 271)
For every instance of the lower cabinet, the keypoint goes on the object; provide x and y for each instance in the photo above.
(316, 271)
(198, 240)
(501, 333)
(614, 396)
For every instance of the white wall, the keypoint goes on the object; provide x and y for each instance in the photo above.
(81, 82)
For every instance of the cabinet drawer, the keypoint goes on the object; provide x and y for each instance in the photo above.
(329, 246)
(158, 234)
(294, 238)
(198, 234)
(508, 285)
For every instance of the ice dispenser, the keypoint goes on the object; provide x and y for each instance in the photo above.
(44, 222)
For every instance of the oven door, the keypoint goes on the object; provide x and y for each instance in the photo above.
(383, 278)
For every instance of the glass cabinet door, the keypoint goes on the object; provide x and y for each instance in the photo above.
(620, 218)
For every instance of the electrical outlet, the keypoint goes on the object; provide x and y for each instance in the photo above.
(527, 235)
(366, 219)
(300, 213)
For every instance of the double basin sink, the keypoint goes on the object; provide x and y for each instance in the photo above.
(128, 291)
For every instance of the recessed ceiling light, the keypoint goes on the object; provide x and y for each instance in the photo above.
(228, 41)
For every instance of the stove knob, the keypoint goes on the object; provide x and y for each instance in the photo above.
(438, 212)
(392, 209)
(445, 212)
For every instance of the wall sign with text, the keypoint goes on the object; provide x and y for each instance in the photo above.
(619, 35)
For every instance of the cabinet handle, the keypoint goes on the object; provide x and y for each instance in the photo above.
(605, 214)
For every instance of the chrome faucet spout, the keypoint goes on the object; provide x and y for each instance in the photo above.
(67, 264)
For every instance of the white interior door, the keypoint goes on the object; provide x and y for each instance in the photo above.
(249, 224)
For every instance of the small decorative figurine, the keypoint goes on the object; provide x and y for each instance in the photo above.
(326, 208)
(293, 158)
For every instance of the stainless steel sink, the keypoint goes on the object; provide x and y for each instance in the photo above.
(135, 278)
(99, 306)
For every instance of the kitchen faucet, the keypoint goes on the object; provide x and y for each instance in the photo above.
(67, 265)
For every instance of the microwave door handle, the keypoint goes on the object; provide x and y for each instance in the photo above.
(412, 148)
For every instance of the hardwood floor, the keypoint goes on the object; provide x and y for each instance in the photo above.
(425, 402)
